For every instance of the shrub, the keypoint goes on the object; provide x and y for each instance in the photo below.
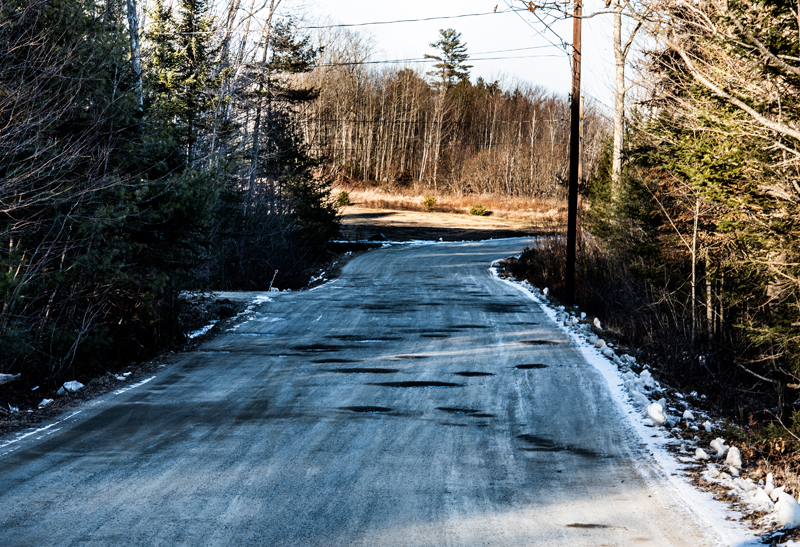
(429, 202)
(478, 210)
(343, 200)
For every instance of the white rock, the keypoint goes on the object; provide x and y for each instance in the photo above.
(656, 413)
(734, 472)
(724, 476)
(734, 457)
(69, 387)
(776, 492)
(607, 352)
(6, 378)
(762, 501)
(713, 472)
(770, 485)
(639, 398)
(600, 343)
(72, 386)
(700, 454)
(45, 402)
(560, 308)
(788, 511)
(596, 323)
(583, 315)
(679, 395)
(545, 291)
(707, 425)
(687, 415)
(647, 379)
(718, 444)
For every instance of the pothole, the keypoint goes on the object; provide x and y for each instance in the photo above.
(363, 339)
(366, 370)
(316, 348)
(530, 366)
(367, 409)
(469, 373)
(543, 444)
(417, 384)
(456, 410)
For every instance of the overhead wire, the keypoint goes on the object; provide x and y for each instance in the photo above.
(311, 27)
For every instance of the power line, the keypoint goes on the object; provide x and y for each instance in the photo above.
(423, 60)
(407, 20)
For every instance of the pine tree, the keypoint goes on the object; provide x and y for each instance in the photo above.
(451, 67)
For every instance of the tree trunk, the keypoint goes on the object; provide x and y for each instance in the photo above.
(619, 103)
(694, 271)
(136, 54)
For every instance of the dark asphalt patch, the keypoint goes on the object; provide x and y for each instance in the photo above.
(587, 525)
(313, 348)
(543, 444)
(365, 370)
(335, 360)
(434, 335)
(362, 338)
(503, 308)
(417, 384)
(530, 366)
(367, 409)
(470, 327)
(468, 373)
(539, 342)
(456, 410)
(410, 356)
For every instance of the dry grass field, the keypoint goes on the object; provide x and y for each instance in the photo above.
(377, 214)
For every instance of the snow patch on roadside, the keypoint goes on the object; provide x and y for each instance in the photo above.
(633, 394)
(133, 386)
(201, 332)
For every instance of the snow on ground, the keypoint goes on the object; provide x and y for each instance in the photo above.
(202, 331)
(642, 400)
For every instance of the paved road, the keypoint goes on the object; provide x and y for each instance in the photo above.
(384, 408)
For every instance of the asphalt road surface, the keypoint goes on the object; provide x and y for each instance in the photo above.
(413, 401)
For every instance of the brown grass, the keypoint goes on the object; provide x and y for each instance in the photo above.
(537, 211)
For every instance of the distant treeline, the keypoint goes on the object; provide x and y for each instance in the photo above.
(395, 126)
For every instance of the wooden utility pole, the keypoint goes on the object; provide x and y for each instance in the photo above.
(574, 156)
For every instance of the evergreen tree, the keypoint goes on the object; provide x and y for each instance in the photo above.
(451, 67)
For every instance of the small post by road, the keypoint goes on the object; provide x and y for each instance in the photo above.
(574, 157)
